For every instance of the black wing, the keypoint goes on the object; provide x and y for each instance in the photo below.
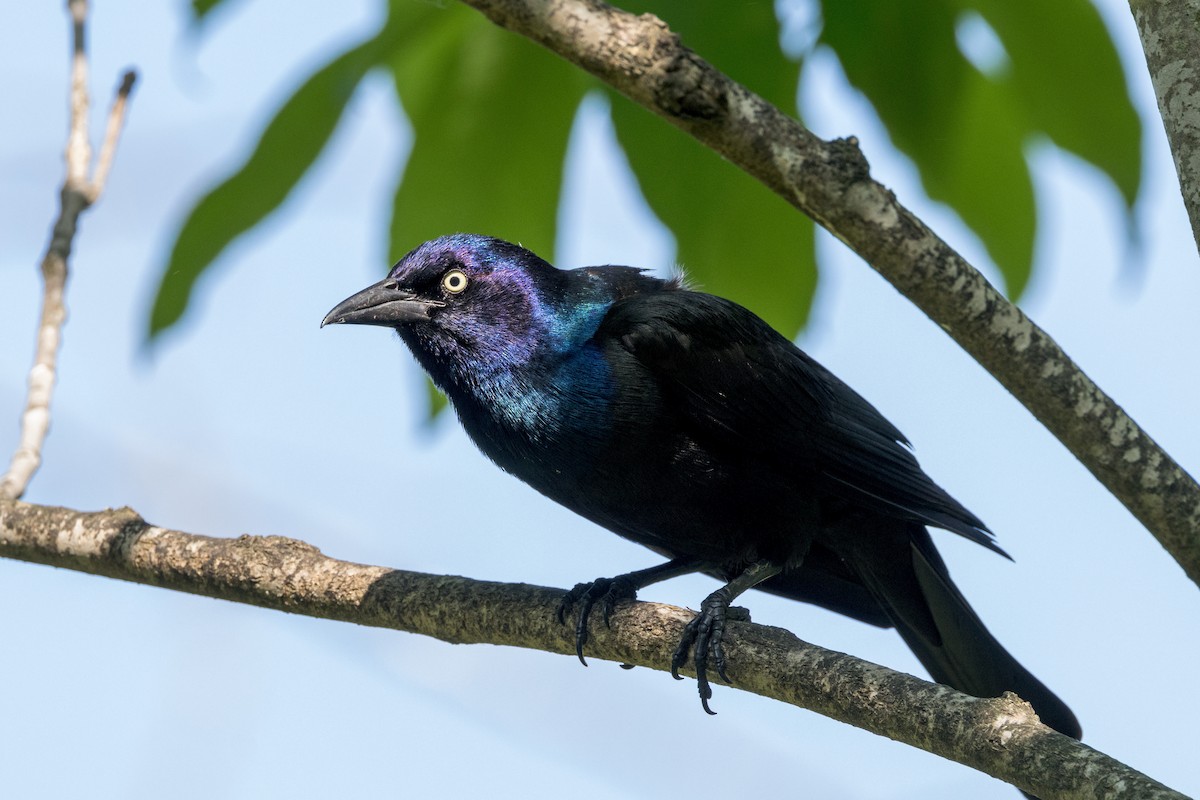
(741, 384)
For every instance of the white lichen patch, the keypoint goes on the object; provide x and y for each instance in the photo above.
(1003, 729)
(788, 161)
(1152, 474)
(153, 532)
(744, 107)
(1052, 369)
(977, 303)
(78, 540)
(1088, 401)
(1177, 81)
(1122, 431)
(1013, 326)
(872, 204)
(1015, 715)
(1006, 726)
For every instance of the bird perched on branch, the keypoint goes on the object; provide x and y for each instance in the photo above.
(685, 423)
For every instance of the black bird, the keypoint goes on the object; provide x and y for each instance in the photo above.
(685, 423)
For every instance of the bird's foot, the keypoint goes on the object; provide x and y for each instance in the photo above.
(605, 591)
(702, 637)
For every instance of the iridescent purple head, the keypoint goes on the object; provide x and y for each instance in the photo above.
(469, 306)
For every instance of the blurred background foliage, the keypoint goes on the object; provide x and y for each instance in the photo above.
(963, 87)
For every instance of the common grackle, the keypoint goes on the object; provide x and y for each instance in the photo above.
(684, 422)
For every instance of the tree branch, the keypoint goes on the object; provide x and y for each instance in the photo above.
(77, 194)
(831, 182)
(1171, 42)
(999, 736)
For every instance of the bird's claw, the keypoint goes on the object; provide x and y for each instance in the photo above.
(703, 638)
(606, 591)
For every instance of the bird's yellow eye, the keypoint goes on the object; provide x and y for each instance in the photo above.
(454, 281)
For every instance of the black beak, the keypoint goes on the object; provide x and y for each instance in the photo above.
(384, 303)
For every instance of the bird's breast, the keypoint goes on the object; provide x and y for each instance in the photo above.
(556, 413)
(617, 455)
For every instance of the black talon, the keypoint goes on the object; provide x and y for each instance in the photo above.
(697, 633)
(581, 621)
(719, 660)
(704, 635)
(611, 591)
(680, 656)
(606, 591)
(568, 601)
(620, 588)
(584, 592)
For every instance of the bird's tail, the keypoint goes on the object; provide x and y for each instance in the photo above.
(950, 640)
(908, 580)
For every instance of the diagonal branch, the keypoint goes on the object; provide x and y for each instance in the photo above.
(999, 736)
(831, 182)
(77, 194)
(1171, 42)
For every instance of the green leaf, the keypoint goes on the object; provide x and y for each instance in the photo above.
(491, 114)
(1067, 74)
(963, 130)
(966, 131)
(201, 8)
(438, 401)
(735, 237)
(981, 171)
(288, 147)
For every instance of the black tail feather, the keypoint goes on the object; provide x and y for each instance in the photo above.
(893, 574)
(968, 657)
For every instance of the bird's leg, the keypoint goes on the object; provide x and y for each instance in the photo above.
(703, 634)
(610, 591)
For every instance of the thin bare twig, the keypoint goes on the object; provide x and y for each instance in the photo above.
(77, 194)
(112, 134)
(79, 149)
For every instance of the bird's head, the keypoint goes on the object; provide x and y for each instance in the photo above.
(470, 305)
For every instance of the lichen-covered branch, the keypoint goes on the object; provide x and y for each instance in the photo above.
(1171, 42)
(831, 182)
(1000, 736)
(78, 192)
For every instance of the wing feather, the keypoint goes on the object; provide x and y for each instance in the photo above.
(739, 383)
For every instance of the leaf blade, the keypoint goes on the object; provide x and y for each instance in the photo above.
(288, 146)
(735, 237)
(744, 242)
(967, 131)
(494, 156)
(1077, 95)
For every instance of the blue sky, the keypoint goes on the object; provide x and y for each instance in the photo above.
(250, 419)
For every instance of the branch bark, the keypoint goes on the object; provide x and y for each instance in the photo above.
(999, 736)
(1171, 42)
(78, 193)
(830, 181)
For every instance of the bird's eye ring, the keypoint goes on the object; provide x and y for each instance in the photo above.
(454, 281)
